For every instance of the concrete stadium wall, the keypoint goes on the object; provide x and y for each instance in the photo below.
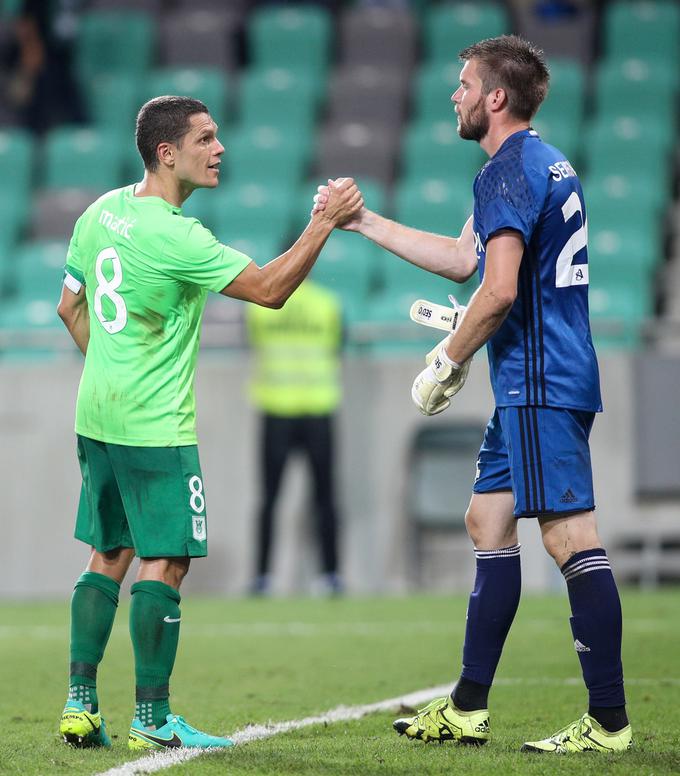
(40, 480)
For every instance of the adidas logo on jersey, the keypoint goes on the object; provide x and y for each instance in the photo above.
(568, 497)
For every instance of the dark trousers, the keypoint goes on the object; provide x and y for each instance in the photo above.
(313, 436)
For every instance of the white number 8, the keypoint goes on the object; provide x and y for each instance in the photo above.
(197, 501)
(107, 288)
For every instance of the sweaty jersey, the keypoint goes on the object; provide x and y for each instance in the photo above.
(147, 271)
(542, 355)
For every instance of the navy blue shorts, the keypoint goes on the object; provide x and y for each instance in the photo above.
(542, 455)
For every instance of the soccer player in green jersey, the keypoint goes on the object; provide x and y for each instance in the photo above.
(137, 276)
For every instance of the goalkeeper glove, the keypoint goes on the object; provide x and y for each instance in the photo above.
(439, 381)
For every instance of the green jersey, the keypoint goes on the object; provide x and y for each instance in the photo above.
(147, 271)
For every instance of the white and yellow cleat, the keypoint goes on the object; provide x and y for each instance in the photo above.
(80, 727)
(441, 721)
(584, 735)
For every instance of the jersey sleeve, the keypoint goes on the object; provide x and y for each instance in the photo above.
(506, 199)
(194, 255)
(74, 276)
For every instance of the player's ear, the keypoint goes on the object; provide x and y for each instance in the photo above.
(166, 154)
(497, 99)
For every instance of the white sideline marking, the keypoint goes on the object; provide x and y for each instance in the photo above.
(161, 760)
(158, 761)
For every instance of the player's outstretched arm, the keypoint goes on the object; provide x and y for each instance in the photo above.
(73, 311)
(272, 284)
(493, 300)
(451, 257)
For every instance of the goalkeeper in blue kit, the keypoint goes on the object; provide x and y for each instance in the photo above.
(528, 240)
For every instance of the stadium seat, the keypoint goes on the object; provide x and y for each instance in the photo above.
(630, 145)
(279, 154)
(121, 41)
(207, 84)
(646, 28)
(435, 150)
(55, 212)
(449, 28)
(294, 36)
(279, 96)
(378, 36)
(16, 160)
(565, 102)
(242, 210)
(15, 209)
(621, 250)
(367, 93)
(637, 87)
(622, 188)
(348, 265)
(39, 269)
(200, 38)
(201, 205)
(433, 88)
(357, 149)
(76, 157)
(618, 311)
(565, 137)
(112, 104)
(433, 204)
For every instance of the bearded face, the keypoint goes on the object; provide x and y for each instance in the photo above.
(473, 124)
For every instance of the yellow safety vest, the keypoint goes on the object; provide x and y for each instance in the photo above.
(297, 353)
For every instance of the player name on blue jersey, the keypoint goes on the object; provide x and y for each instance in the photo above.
(542, 355)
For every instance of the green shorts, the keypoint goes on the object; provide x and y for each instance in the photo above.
(149, 498)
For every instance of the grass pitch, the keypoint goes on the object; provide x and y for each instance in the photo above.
(252, 661)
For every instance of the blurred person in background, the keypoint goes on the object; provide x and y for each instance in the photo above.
(296, 390)
(42, 88)
(136, 280)
(528, 238)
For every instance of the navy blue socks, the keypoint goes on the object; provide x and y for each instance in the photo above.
(491, 610)
(596, 626)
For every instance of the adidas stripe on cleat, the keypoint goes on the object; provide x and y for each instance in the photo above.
(175, 733)
(584, 735)
(80, 727)
(441, 721)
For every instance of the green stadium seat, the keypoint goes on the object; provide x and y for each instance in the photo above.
(39, 270)
(645, 28)
(619, 308)
(621, 250)
(347, 265)
(203, 83)
(242, 210)
(565, 102)
(433, 88)
(279, 97)
(15, 209)
(16, 160)
(201, 205)
(77, 157)
(433, 204)
(562, 135)
(272, 153)
(628, 144)
(621, 188)
(294, 36)
(261, 248)
(114, 42)
(434, 150)
(637, 87)
(451, 27)
(113, 102)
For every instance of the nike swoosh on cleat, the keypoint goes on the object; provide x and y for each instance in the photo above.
(171, 619)
(168, 742)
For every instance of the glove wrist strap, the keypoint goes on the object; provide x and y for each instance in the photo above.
(445, 358)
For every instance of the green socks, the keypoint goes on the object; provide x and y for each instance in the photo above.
(93, 609)
(154, 627)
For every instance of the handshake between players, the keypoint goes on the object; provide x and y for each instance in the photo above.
(442, 377)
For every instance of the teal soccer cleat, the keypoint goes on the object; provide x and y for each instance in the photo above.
(80, 727)
(175, 733)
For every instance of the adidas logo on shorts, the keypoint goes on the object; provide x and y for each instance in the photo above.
(568, 497)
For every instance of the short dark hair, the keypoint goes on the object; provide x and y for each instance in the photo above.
(515, 65)
(163, 120)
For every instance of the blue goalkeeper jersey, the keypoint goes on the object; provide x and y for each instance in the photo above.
(542, 355)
